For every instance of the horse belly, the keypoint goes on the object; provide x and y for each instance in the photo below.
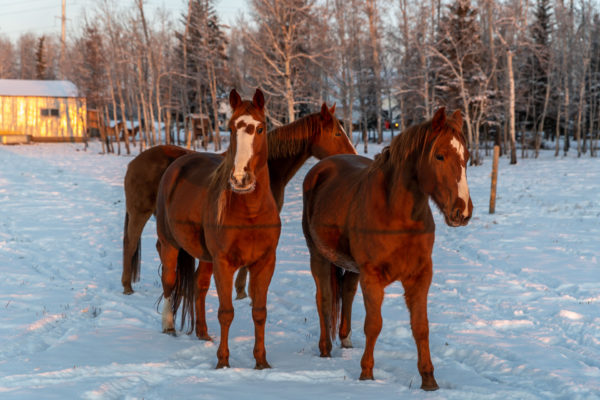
(398, 255)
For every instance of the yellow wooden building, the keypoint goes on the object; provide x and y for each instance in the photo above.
(41, 111)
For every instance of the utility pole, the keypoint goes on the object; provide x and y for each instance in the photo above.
(62, 38)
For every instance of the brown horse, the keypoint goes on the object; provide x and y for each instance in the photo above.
(221, 210)
(373, 220)
(319, 134)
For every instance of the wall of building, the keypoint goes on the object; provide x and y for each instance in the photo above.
(43, 118)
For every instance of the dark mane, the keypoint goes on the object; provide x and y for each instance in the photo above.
(293, 138)
(410, 142)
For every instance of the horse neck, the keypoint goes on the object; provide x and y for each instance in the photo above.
(401, 187)
(283, 167)
(246, 205)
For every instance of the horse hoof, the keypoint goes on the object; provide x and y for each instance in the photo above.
(204, 337)
(170, 331)
(241, 295)
(325, 355)
(429, 384)
(366, 377)
(430, 388)
(127, 291)
(222, 364)
(347, 343)
(264, 365)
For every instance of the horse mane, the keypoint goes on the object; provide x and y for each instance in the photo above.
(293, 138)
(410, 142)
(219, 181)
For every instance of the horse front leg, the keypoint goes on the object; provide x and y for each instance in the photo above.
(223, 273)
(373, 290)
(203, 275)
(416, 290)
(349, 286)
(261, 273)
(168, 258)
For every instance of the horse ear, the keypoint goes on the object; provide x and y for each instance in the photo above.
(457, 117)
(234, 99)
(439, 119)
(325, 114)
(332, 109)
(259, 99)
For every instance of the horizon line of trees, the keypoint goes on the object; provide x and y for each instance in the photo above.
(523, 72)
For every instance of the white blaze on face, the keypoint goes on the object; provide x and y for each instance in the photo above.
(243, 152)
(463, 187)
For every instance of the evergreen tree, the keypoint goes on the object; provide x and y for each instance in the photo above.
(205, 46)
(41, 64)
(461, 82)
(459, 41)
(537, 67)
(91, 79)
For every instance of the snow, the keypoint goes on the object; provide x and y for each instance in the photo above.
(514, 307)
(37, 88)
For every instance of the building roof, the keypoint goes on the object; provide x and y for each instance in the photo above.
(33, 88)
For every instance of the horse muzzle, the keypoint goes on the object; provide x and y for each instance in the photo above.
(242, 184)
(460, 215)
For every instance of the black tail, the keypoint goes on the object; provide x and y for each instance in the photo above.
(337, 274)
(184, 290)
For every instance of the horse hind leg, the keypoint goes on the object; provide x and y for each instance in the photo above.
(373, 291)
(168, 258)
(132, 232)
(349, 286)
(321, 270)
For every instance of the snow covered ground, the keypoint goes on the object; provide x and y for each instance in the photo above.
(514, 307)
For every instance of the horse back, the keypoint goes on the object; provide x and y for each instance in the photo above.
(143, 176)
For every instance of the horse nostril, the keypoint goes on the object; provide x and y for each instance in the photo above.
(457, 214)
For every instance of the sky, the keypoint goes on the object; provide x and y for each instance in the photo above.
(43, 16)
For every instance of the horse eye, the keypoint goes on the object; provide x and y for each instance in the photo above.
(439, 157)
(259, 130)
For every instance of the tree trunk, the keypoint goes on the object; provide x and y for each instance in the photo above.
(371, 9)
(511, 107)
(540, 131)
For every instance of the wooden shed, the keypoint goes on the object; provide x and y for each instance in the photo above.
(41, 111)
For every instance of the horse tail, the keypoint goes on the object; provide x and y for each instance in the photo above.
(337, 275)
(184, 290)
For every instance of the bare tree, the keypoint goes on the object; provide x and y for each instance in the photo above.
(281, 52)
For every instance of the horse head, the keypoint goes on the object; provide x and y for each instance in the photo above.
(332, 138)
(442, 172)
(248, 140)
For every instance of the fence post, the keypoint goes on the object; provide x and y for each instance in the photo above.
(494, 179)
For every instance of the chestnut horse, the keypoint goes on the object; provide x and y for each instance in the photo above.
(221, 210)
(373, 220)
(319, 134)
